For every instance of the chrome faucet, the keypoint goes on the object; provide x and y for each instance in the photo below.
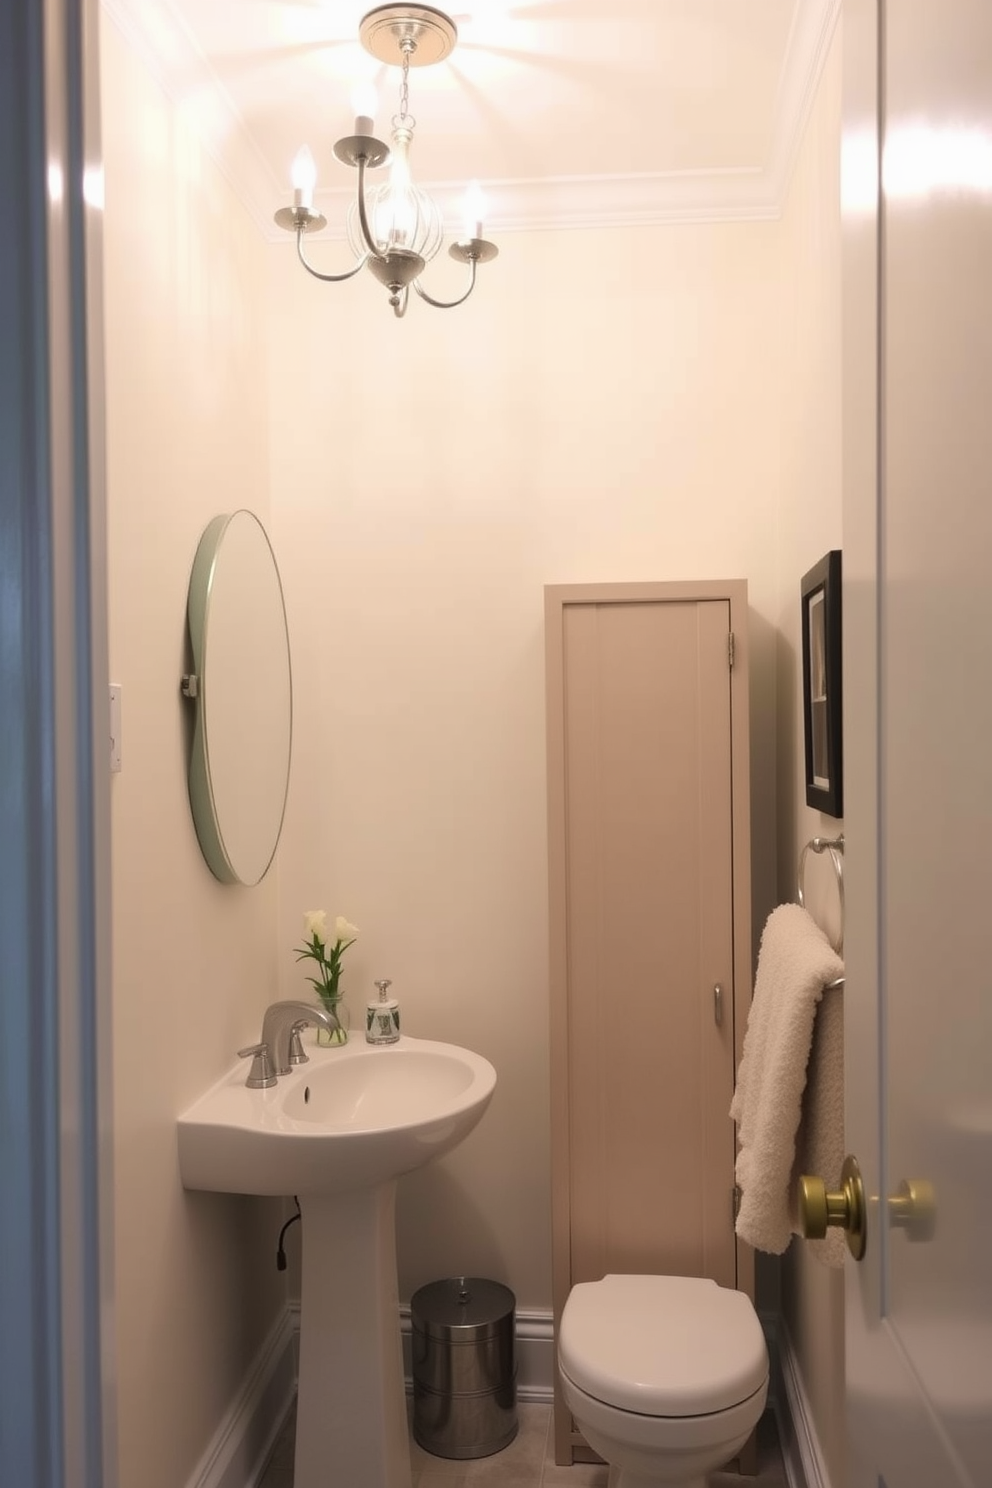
(282, 1020)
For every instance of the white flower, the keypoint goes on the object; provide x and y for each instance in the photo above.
(326, 956)
(315, 924)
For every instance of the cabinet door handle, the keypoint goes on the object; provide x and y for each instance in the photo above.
(718, 1004)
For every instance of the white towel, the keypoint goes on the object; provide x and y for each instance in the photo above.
(820, 1144)
(795, 963)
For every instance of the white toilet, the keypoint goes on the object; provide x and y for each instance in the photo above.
(666, 1376)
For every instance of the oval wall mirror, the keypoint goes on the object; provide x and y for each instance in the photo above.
(241, 686)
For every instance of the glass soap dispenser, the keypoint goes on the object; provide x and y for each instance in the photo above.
(382, 1018)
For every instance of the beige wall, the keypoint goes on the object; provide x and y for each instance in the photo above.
(583, 417)
(194, 962)
(577, 420)
(810, 525)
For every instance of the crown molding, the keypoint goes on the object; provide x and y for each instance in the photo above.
(813, 26)
(553, 204)
(156, 32)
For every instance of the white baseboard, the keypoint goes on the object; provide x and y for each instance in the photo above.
(240, 1447)
(534, 1351)
(536, 1356)
(801, 1452)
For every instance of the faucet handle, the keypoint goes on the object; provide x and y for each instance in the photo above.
(297, 1053)
(261, 1075)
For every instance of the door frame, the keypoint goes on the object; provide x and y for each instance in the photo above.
(861, 401)
(57, 1417)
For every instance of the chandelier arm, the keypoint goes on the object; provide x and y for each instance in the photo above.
(400, 301)
(363, 215)
(447, 304)
(327, 278)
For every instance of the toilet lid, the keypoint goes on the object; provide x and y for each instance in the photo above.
(662, 1345)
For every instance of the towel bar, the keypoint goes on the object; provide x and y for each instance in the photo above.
(834, 847)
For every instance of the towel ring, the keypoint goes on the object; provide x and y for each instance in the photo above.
(834, 846)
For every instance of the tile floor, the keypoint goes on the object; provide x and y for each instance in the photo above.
(528, 1462)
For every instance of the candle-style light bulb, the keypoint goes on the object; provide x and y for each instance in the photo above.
(304, 178)
(473, 210)
(396, 210)
(364, 102)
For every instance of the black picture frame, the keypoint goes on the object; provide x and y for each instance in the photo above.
(822, 682)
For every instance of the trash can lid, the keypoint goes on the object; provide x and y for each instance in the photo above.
(461, 1308)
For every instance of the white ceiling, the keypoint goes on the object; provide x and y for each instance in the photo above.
(568, 112)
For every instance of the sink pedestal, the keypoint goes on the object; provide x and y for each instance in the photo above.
(351, 1421)
(338, 1131)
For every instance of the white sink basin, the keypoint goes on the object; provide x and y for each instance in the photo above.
(338, 1132)
(352, 1117)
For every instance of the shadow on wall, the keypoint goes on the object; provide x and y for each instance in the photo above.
(236, 1235)
(772, 824)
(789, 783)
(766, 769)
(436, 1215)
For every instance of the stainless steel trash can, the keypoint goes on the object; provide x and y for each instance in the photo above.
(464, 1370)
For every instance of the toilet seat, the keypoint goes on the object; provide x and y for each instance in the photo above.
(672, 1346)
(671, 1436)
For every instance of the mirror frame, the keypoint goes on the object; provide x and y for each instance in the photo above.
(196, 687)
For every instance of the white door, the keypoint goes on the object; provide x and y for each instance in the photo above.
(918, 710)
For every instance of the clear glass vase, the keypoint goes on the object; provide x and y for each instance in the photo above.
(325, 1038)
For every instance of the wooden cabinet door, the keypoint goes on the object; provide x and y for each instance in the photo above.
(645, 805)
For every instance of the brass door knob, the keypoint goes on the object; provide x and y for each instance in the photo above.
(820, 1210)
(914, 1209)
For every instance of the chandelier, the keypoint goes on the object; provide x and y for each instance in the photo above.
(394, 228)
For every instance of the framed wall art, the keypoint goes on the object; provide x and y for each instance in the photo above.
(821, 626)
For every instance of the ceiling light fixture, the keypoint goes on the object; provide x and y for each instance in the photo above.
(394, 228)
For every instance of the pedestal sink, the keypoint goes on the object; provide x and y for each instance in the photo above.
(338, 1132)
